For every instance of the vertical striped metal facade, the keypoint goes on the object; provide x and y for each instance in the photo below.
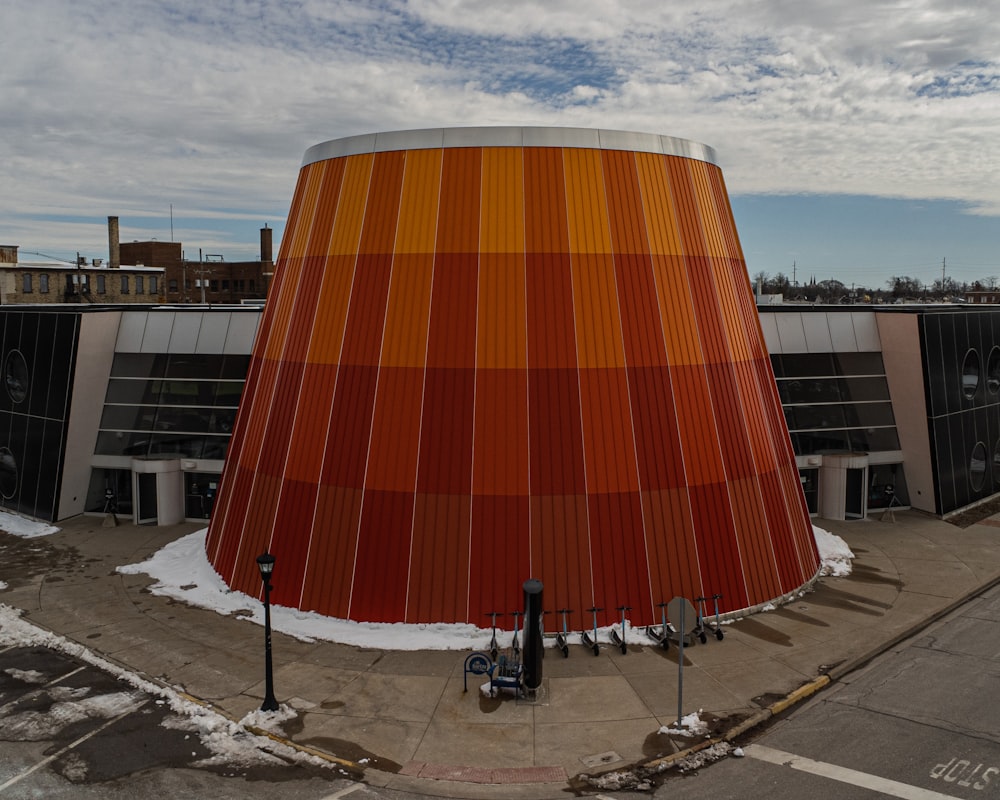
(494, 354)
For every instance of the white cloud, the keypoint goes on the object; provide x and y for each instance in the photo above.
(125, 108)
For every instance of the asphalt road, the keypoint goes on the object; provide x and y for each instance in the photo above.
(920, 722)
(69, 730)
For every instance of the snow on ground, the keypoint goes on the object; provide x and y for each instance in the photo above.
(182, 571)
(230, 742)
(25, 528)
(690, 725)
(835, 556)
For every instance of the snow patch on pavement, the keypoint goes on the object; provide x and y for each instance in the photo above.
(229, 741)
(835, 556)
(25, 528)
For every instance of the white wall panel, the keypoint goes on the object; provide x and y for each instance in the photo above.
(242, 332)
(130, 332)
(842, 335)
(866, 331)
(791, 334)
(769, 326)
(212, 332)
(817, 333)
(156, 339)
(184, 334)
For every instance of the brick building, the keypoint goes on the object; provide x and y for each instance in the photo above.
(33, 282)
(211, 279)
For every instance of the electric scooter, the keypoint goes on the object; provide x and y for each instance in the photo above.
(562, 638)
(591, 640)
(494, 645)
(619, 639)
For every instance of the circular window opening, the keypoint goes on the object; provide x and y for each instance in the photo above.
(977, 466)
(15, 371)
(8, 474)
(970, 374)
(993, 371)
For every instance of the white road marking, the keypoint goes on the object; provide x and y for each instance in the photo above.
(69, 747)
(843, 774)
(54, 681)
(344, 792)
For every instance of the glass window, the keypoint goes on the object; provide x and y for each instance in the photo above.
(993, 371)
(8, 473)
(970, 374)
(867, 440)
(110, 491)
(138, 365)
(166, 444)
(869, 415)
(152, 284)
(124, 284)
(200, 491)
(809, 390)
(15, 374)
(172, 285)
(228, 393)
(859, 364)
(191, 365)
(235, 367)
(26, 287)
(213, 285)
(43, 283)
(810, 488)
(132, 391)
(803, 365)
(101, 287)
(815, 417)
(139, 284)
(128, 418)
(887, 486)
(977, 466)
(225, 285)
(862, 389)
(122, 443)
(809, 442)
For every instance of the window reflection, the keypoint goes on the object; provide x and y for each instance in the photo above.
(977, 466)
(970, 374)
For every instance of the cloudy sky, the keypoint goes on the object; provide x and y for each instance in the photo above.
(858, 138)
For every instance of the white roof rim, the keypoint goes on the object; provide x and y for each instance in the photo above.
(436, 138)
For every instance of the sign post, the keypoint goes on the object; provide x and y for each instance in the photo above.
(682, 610)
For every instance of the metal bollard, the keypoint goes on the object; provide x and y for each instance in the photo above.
(532, 634)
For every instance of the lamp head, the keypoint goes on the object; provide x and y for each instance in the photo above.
(265, 562)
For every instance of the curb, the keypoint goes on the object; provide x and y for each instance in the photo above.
(826, 678)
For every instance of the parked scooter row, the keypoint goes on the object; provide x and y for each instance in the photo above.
(663, 634)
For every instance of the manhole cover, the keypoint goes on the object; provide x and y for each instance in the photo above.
(601, 759)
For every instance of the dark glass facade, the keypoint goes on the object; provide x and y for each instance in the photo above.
(840, 403)
(962, 376)
(836, 402)
(171, 405)
(38, 355)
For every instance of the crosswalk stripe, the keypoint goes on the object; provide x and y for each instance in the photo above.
(843, 774)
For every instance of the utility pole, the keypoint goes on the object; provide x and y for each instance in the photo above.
(794, 282)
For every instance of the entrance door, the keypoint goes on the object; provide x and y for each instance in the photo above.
(145, 508)
(854, 501)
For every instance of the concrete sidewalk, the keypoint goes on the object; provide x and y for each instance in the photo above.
(403, 717)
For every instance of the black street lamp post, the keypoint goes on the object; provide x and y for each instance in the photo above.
(265, 561)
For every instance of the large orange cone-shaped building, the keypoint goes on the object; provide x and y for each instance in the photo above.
(494, 354)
